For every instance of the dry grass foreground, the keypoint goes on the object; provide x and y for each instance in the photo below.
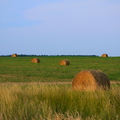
(53, 83)
(54, 102)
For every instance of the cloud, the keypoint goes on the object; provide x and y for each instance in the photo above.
(84, 16)
(71, 9)
(11, 13)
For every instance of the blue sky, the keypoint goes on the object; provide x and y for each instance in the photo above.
(62, 27)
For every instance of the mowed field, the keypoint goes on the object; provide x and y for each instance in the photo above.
(20, 69)
(29, 91)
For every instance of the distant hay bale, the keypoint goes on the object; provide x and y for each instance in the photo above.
(35, 60)
(14, 55)
(64, 62)
(90, 80)
(104, 55)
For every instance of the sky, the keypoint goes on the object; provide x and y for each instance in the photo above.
(60, 27)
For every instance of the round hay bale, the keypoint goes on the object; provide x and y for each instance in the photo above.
(35, 60)
(104, 55)
(64, 62)
(90, 80)
(14, 55)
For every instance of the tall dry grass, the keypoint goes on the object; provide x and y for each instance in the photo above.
(57, 102)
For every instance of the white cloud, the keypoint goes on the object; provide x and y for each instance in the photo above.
(70, 10)
(87, 15)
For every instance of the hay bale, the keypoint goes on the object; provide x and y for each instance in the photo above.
(35, 60)
(64, 62)
(14, 55)
(90, 80)
(104, 55)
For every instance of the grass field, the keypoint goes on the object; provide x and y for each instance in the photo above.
(24, 94)
(57, 102)
(20, 69)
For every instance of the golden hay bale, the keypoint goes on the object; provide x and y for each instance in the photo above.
(14, 55)
(64, 62)
(104, 55)
(35, 60)
(90, 80)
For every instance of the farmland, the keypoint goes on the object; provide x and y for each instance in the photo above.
(20, 69)
(26, 95)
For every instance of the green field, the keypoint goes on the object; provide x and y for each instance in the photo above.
(24, 94)
(20, 69)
